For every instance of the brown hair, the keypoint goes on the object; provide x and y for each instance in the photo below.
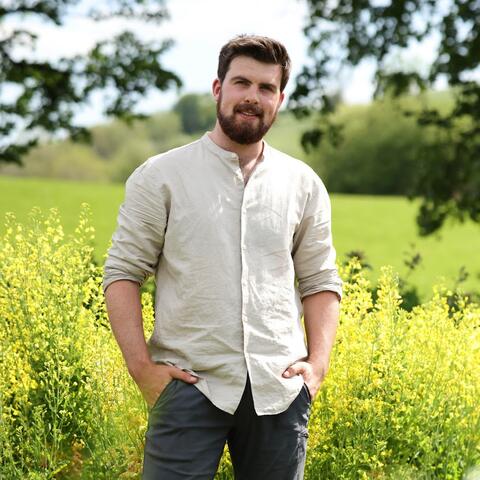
(262, 49)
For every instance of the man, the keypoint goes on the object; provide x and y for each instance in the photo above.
(238, 236)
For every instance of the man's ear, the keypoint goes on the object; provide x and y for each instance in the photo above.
(282, 96)
(216, 88)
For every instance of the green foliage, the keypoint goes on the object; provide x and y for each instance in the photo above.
(348, 32)
(286, 133)
(377, 156)
(380, 148)
(197, 112)
(49, 92)
(116, 150)
(67, 160)
(124, 149)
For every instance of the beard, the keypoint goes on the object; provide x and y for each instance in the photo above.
(246, 132)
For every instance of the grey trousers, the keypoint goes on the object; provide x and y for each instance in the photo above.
(186, 436)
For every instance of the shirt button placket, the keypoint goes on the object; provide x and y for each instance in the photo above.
(244, 266)
(243, 253)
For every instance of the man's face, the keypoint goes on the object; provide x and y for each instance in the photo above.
(248, 99)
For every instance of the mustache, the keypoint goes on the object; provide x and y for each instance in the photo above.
(249, 108)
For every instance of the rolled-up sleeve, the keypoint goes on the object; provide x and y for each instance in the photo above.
(313, 252)
(138, 239)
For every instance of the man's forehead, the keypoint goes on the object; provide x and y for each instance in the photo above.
(253, 69)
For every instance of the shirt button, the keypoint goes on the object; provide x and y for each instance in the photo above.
(244, 317)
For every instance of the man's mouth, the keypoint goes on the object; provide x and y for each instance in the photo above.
(249, 111)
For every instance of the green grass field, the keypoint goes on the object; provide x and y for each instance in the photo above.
(382, 227)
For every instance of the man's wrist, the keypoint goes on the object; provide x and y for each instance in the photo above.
(137, 367)
(319, 364)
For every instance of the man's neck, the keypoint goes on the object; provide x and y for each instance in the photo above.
(246, 153)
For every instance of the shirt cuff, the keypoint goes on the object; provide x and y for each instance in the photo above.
(321, 282)
(115, 277)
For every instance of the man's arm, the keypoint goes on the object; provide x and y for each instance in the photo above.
(320, 313)
(125, 313)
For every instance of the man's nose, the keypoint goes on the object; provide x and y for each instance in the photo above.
(251, 95)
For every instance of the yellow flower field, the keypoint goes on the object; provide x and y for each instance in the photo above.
(401, 400)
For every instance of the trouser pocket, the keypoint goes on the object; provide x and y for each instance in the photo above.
(307, 392)
(163, 393)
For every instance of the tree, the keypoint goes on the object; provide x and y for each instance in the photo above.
(48, 93)
(372, 159)
(347, 32)
(197, 112)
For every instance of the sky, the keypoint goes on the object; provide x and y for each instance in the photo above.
(199, 28)
(195, 54)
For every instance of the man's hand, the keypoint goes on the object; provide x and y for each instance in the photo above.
(125, 314)
(313, 375)
(320, 313)
(152, 379)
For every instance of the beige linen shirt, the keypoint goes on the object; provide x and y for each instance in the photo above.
(231, 264)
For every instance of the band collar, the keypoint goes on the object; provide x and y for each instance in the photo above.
(230, 156)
